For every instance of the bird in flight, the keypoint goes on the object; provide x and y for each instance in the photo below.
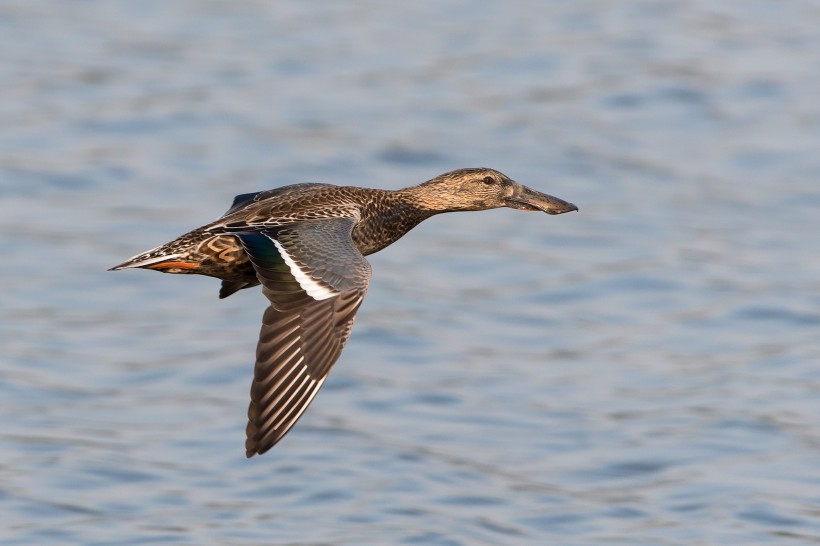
(306, 245)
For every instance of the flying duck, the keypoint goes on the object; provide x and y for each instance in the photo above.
(306, 245)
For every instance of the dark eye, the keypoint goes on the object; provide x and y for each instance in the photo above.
(489, 180)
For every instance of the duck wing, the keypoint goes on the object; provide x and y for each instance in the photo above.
(315, 278)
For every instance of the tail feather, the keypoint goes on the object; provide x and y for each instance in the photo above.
(201, 253)
(146, 259)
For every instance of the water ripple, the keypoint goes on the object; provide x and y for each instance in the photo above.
(643, 372)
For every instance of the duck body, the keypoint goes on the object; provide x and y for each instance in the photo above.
(381, 217)
(305, 244)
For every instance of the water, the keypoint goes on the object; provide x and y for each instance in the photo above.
(644, 372)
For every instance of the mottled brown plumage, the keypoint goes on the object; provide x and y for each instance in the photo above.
(306, 244)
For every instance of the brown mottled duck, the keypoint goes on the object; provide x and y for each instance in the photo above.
(306, 245)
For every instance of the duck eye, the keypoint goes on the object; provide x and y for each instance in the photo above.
(489, 180)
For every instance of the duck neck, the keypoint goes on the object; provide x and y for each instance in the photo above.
(387, 219)
(428, 198)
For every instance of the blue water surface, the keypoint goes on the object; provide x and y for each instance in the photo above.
(643, 372)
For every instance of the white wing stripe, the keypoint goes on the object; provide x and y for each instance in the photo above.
(310, 285)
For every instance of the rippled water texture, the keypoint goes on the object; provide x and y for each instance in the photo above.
(644, 372)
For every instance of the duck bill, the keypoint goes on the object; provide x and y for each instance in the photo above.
(527, 199)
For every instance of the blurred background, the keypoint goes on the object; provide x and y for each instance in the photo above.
(643, 372)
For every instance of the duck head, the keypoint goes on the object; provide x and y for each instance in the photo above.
(482, 189)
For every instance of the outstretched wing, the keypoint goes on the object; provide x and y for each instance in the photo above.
(315, 279)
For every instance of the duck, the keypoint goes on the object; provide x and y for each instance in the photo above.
(305, 244)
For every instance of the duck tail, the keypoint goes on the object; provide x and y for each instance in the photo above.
(161, 258)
